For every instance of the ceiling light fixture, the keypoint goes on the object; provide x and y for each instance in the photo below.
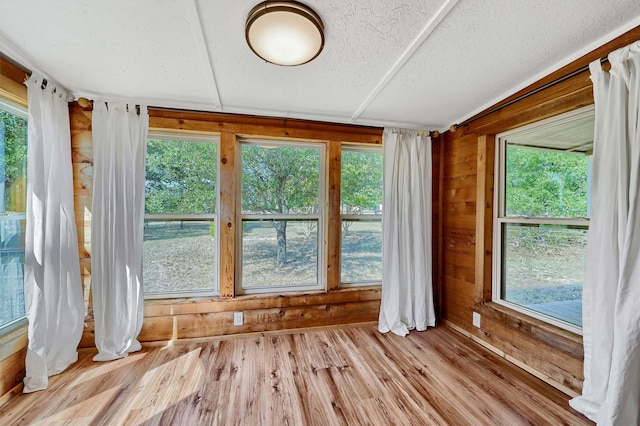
(284, 32)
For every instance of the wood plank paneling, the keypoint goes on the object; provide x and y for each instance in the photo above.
(191, 306)
(334, 222)
(459, 240)
(437, 159)
(467, 168)
(550, 352)
(82, 163)
(196, 318)
(12, 83)
(332, 376)
(12, 359)
(484, 218)
(173, 320)
(467, 250)
(263, 127)
(229, 187)
(458, 195)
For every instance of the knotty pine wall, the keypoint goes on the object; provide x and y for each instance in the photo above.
(462, 212)
(466, 180)
(203, 317)
(167, 320)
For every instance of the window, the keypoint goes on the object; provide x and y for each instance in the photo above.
(282, 233)
(361, 214)
(541, 220)
(13, 172)
(180, 232)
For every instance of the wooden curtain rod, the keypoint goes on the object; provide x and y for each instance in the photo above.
(559, 80)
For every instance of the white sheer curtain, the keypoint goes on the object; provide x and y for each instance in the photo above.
(117, 221)
(407, 296)
(611, 294)
(52, 288)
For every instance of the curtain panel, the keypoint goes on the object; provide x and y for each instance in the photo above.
(407, 293)
(52, 287)
(611, 294)
(117, 224)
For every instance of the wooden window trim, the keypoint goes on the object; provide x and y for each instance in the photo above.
(231, 129)
(564, 340)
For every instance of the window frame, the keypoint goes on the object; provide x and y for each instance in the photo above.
(500, 219)
(21, 112)
(191, 217)
(320, 217)
(356, 217)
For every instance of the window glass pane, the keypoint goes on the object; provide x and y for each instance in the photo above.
(361, 182)
(279, 179)
(361, 257)
(545, 183)
(179, 256)
(13, 172)
(180, 177)
(279, 253)
(543, 269)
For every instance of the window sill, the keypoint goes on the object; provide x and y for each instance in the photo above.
(13, 340)
(559, 338)
(161, 307)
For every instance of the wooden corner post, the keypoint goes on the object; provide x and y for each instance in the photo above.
(484, 217)
(228, 181)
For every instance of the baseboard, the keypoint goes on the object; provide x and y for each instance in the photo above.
(13, 392)
(562, 388)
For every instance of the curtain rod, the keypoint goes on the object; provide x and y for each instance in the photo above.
(559, 80)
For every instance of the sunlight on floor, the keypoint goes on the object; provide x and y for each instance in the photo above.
(186, 374)
(84, 412)
(107, 367)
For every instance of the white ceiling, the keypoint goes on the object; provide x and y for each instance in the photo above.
(419, 64)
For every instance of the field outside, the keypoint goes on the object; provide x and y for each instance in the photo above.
(181, 256)
(544, 264)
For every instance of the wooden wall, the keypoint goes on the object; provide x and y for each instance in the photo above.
(13, 345)
(466, 180)
(462, 212)
(172, 319)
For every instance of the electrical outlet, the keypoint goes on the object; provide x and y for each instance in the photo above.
(476, 319)
(237, 318)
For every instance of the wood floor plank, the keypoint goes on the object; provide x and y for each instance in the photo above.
(347, 376)
(283, 402)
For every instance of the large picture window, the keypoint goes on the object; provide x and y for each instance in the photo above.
(541, 219)
(282, 199)
(180, 232)
(13, 173)
(361, 215)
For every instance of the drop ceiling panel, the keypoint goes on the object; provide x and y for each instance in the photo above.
(192, 54)
(362, 39)
(481, 53)
(117, 48)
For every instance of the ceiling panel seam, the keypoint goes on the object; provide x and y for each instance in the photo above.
(202, 46)
(415, 44)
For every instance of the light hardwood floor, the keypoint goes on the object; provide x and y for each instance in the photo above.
(336, 376)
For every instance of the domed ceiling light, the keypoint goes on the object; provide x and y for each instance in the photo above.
(284, 32)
